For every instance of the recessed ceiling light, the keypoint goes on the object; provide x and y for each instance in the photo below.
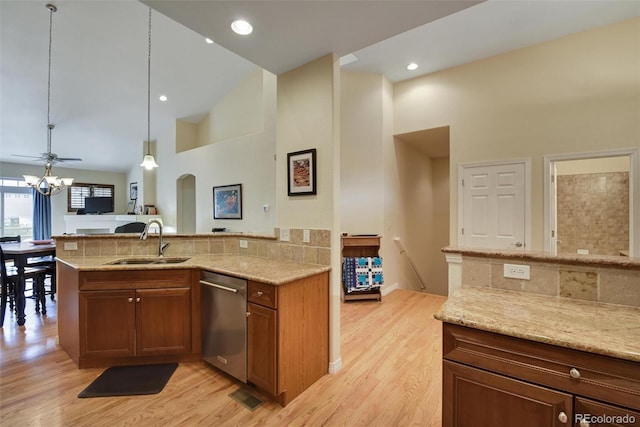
(208, 40)
(412, 66)
(162, 98)
(241, 27)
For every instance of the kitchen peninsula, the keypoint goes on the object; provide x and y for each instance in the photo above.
(119, 305)
(561, 346)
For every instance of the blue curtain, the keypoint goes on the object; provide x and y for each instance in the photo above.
(41, 216)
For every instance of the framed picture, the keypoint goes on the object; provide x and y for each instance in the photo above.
(227, 202)
(133, 191)
(301, 172)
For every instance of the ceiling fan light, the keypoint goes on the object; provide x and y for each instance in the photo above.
(51, 180)
(149, 162)
(66, 181)
(30, 179)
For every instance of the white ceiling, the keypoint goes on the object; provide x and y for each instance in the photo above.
(99, 63)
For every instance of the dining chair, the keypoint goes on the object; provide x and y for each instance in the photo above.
(10, 239)
(9, 279)
(132, 227)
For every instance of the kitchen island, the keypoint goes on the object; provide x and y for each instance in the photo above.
(560, 361)
(116, 310)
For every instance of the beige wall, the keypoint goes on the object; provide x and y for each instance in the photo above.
(245, 158)
(601, 165)
(361, 164)
(309, 117)
(59, 201)
(574, 94)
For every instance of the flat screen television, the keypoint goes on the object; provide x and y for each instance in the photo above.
(98, 205)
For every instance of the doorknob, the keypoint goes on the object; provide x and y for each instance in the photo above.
(518, 244)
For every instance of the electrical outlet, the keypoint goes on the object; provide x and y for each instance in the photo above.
(583, 251)
(284, 235)
(306, 236)
(517, 271)
(70, 246)
(244, 244)
(265, 208)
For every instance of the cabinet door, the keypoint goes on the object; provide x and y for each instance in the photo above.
(476, 398)
(592, 413)
(163, 321)
(107, 322)
(261, 347)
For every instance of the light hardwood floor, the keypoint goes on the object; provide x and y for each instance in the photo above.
(391, 376)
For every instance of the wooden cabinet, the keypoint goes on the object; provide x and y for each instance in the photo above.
(360, 246)
(483, 399)
(491, 379)
(288, 335)
(128, 317)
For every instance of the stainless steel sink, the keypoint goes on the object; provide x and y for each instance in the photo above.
(142, 261)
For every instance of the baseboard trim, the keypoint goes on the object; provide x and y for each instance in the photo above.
(386, 290)
(335, 366)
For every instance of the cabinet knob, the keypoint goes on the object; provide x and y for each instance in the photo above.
(130, 299)
(562, 417)
(138, 299)
(584, 423)
(259, 293)
(574, 373)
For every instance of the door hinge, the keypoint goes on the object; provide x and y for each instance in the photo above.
(463, 182)
(462, 230)
(553, 179)
(553, 233)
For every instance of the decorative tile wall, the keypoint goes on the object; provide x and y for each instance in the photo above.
(316, 251)
(593, 213)
(597, 283)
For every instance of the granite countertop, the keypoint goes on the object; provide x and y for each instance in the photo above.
(630, 263)
(607, 329)
(265, 270)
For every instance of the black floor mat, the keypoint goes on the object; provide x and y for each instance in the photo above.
(130, 380)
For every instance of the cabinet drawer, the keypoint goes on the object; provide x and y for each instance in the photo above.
(133, 279)
(263, 294)
(581, 373)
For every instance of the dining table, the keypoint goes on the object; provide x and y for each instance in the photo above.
(20, 253)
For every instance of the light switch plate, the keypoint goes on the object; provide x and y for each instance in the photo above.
(284, 235)
(517, 271)
(306, 236)
(244, 244)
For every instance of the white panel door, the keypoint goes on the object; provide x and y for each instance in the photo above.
(494, 206)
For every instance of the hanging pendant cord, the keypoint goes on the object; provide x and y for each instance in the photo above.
(149, 90)
(52, 9)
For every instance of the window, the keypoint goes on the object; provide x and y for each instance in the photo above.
(16, 208)
(78, 191)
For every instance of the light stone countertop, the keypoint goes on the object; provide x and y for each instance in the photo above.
(607, 329)
(265, 270)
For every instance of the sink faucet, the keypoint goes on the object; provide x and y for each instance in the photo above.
(143, 236)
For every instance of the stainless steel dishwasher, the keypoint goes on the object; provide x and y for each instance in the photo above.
(224, 323)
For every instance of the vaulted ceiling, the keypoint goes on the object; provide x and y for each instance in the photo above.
(99, 62)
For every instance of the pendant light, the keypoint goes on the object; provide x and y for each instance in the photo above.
(49, 184)
(149, 162)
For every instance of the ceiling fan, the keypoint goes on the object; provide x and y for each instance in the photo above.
(49, 157)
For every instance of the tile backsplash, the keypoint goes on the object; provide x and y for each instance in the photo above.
(594, 283)
(316, 251)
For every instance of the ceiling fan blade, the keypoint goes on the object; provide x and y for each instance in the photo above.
(31, 157)
(68, 159)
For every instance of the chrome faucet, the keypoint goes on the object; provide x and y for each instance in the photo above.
(143, 236)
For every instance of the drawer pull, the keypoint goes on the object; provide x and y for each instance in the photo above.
(130, 299)
(562, 417)
(584, 423)
(575, 374)
(259, 293)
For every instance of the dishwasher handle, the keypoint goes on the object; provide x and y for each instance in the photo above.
(215, 285)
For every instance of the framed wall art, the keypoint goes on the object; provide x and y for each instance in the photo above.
(227, 202)
(301, 172)
(133, 191)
